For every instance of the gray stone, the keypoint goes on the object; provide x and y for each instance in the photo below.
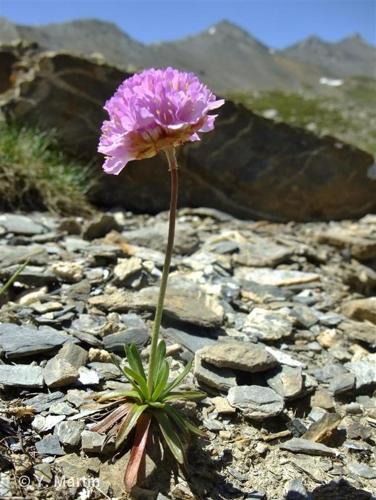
(364, 371)
(92, 442)
(70, 432)
(20, 224)
(99, 227)
(62, 408)
(18, 341)
(330, 371)
(77, 467)
(300, 445)
(184, 302)
(361, 309)
(295, 490)
(263, 294)
(63, 368)
(21, 376)
(191, 342)
(220, 379)
(42, 402)
(342, 383)
(362, 470)
(287, 382)
(106, 371)
(30, 275)
(244, 356)
(155, 236)
(304, 315)
(49, 445)
(44, 424)
(115, 342)
(360, 331)
(361, 247)
(262, 252)
(256, 402)
(277, 277)
(267, 325)
(126, 269)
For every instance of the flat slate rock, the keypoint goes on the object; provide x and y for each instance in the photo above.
(244, 356)
(300, 445)
(267, 325)
(277, 277)
(256, 402)
(21, 376)
(191, 342)
(211, 376)
(287, 382)
(262, 252)
(115, 341)
(20, 224)
(20, 341)
(364, 371)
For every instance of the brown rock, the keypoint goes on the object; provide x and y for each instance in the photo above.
(66, 93)
(362, 309)
(321, 430)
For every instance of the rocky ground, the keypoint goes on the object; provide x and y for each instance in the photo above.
(279, 318)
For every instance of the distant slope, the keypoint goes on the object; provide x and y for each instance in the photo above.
(226, 57)
(352, 56)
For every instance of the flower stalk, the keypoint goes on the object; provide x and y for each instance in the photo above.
(173, 169)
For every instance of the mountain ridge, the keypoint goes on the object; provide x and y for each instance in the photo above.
(225, 55)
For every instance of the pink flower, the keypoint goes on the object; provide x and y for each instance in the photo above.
(154, 110)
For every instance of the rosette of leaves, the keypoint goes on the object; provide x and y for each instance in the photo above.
(139, 406)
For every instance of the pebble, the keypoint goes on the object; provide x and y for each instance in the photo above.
(21, 376)
(300, 445)
(267, 325)
(243, 356)
(256, 402)
(62, 369)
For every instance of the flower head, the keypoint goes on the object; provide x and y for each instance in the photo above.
(154, 110)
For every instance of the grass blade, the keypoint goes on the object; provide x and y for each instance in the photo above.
(138, 452)
(135, 411)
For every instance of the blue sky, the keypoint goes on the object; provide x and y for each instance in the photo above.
(277, 23)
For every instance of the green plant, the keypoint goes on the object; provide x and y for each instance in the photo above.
(35, 174)
(152, 394)
(137, 408)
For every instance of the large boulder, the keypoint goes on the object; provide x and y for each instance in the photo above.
(249, 166)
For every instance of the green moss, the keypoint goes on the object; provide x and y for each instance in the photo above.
(348, 113)
(36, 175)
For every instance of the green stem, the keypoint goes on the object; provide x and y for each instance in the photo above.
(173, 168)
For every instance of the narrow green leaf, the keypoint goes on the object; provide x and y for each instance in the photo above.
(177, 381)
(172, 439)
(160, 357)
(176, 396)
(161, 381)
(141, 381)
(134, 359)
(128, 423)
(117, 394)
(182, 421)
(13, 278)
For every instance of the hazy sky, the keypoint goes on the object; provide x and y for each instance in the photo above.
(277, 23)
